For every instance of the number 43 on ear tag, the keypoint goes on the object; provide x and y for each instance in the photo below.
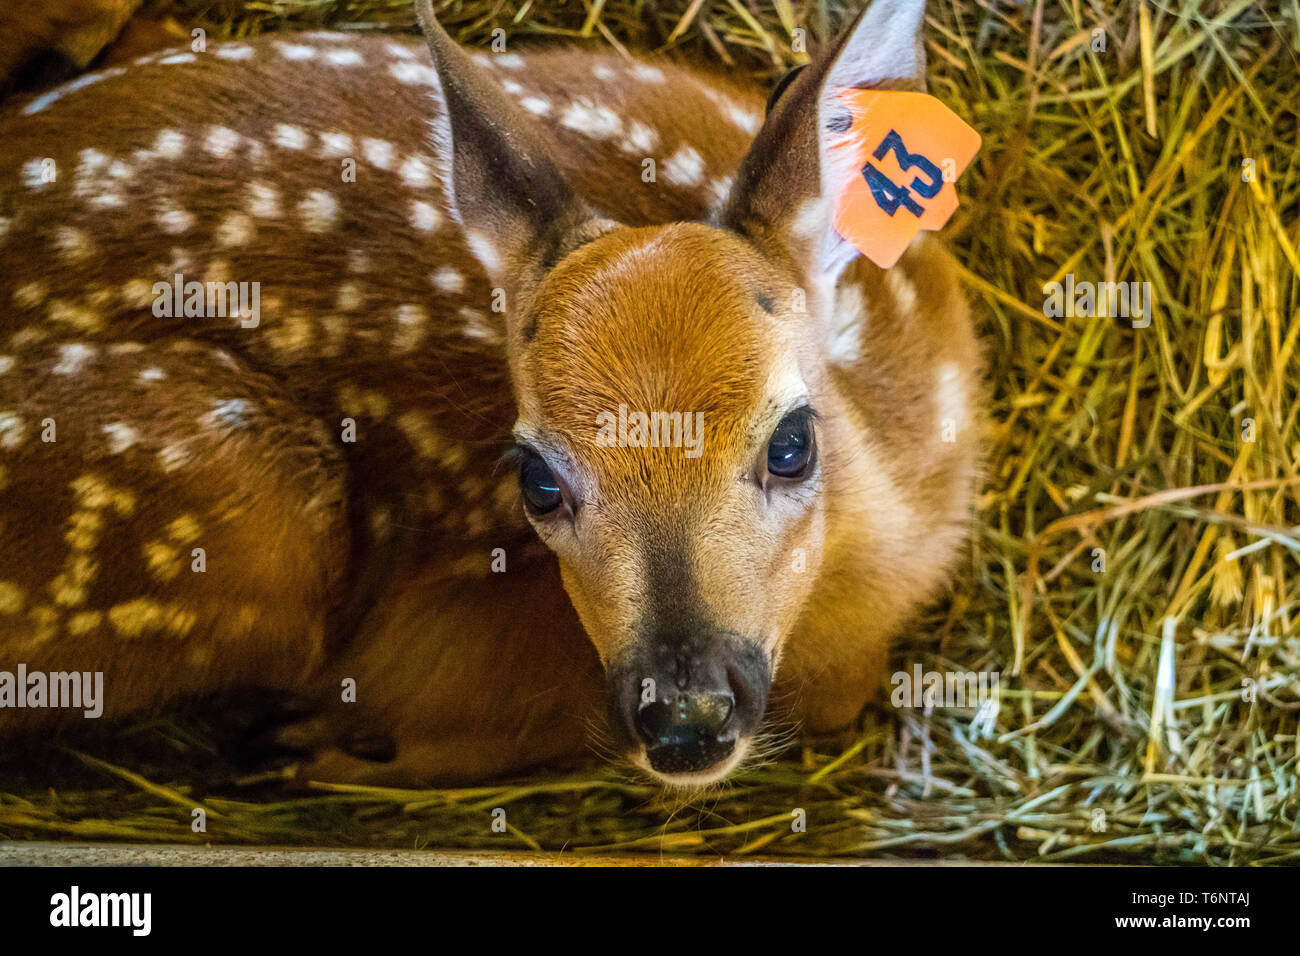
(909, 149)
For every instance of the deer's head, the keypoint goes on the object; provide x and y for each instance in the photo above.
(677, 422)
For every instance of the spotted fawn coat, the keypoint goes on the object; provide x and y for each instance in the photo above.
(190, 503)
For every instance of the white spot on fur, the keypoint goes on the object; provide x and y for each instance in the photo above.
(344, 58)
(264, 201)
(413, 74)
(120, 437)
(30, 295)
(138, 293)
(641, 140)
(747, 121)
(152, 374)
(483, 250)
(290, 137)
(477, 327)
(68, 313)
(297, 51)
(648, 74)
(415, 173)
(319, 210)
(72, 243)
(6, 363)
(337, 144)
(511, 61)
(448, 280)
(411, 322)
(424, 217)
(603, 72)
(175, 456)
(537, 105)
(378, 152)
(598, 122)
(739, 116)
(73, 358)
(235, 51)
(400, 51)
(684, 167)
(348, 298)
(12, 430)
(89, 163)
(221, 141)
(169, 144)
(231, 413)
(181, 261)
(901, 286)
(237, 229)
(173, 220)
(90, 184)
(34, 174)
(177, 58)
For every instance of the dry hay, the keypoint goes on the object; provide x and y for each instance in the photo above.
(1148, 711)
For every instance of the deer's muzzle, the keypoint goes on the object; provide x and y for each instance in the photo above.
(688, 705)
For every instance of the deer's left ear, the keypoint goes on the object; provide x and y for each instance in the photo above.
(513, 203)
(785, 188)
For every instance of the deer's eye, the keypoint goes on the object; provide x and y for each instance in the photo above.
(540, 488)
(790, 449)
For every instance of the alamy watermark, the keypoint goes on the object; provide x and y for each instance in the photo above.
(194, 299)
(958, 689)
(1099, 300)
(651, 430)
(79, 690)
(75, 908)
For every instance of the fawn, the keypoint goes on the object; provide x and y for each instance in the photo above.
(458, 256)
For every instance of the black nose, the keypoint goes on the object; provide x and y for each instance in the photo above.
(688, 700)
(686, 731)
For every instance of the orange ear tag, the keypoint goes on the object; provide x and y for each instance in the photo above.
(909, 150)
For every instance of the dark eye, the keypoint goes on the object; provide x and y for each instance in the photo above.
(790, 449)
(540, 487)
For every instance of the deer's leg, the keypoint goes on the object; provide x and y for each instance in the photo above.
(167, 517)
(458, 680)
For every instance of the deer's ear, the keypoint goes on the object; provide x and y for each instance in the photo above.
(787, 183)
(501, 184)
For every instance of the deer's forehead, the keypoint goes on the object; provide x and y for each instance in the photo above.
(676, 314)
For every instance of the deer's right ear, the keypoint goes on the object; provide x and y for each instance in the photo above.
(501, 184)
(788, 181)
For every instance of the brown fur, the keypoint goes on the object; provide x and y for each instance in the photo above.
(378, 554)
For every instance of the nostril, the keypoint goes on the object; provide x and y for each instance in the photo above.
(749, 696)
(679, 720)
(720, 709)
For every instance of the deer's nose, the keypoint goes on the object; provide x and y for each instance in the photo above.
(690, 702)
(686, 731)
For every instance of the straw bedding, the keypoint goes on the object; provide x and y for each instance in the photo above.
(1132, 571)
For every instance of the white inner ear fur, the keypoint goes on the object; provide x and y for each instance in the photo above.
(885, 45)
